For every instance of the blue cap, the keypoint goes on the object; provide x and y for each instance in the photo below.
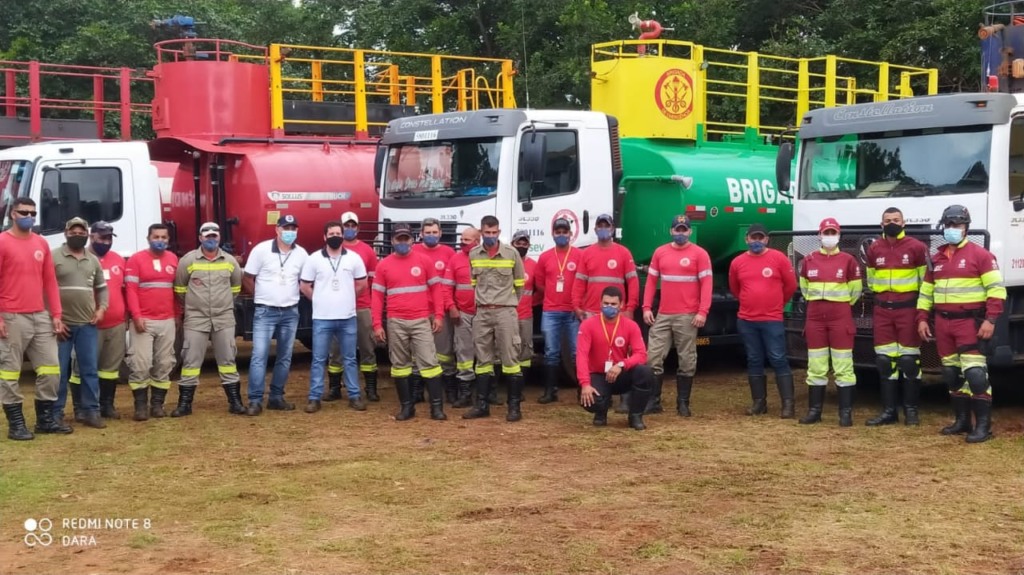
(680, 220)
(287, 220)
(605, 218)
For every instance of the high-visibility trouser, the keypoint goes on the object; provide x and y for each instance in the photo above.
(956, 341)
(496, 337)
(465, 349)
(411, 343)
(526, 342)
(29, 334)
(193, 352)
(673, 330)
(830, 332)
(444, 344)
(895, 335)
(365, 342)
(151, 354)
(111, 354)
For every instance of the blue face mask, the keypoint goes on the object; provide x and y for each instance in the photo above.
(490, 241)
(289, 236)
(349, 234)
(757, 247)
(953, 235)
(680, 239)
(25, 224)
(157, 245)
(211, 244)
(604, 234)
(609, 311)
(403, 249)
(561, 241)
(101, 249)
(431, 241)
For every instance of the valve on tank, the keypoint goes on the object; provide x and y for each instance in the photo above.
(650, 30)
(186, 27)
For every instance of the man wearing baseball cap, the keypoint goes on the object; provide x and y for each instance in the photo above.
(830, 281)
(112, 325)
(272, 276)
(521, 242)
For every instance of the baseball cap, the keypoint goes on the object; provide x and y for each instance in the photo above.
(680, 220)
(287, 220)
(605, 218)
(561, 223)
(401, 230)
(349, 217)
(76, 222)
(757, 229)
(828, 224)
(209, 228)
(102, 229)
(520, 235)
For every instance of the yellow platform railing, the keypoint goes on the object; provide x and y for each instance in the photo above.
(433, 82)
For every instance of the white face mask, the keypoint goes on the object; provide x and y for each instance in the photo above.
(829, 242)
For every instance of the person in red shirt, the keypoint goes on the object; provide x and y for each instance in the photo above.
(554, 281)
(612, 359)
(521, 242)
(604, 264)
(439, 255)
(460, 305)
(112, 326)
(763, 281)
(684, 270)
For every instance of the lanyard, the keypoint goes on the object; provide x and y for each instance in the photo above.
(334, 266)
(561, 266)
(282, 262)
(610, 338)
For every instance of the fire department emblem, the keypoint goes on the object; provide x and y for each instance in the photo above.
(881, 261)
(684, 262)
(416, 271)
(116, 270)
(570, 215)
(169, 269)
(906, 259)
(612, 264)
(38, 255)
(767, 272)
(673, 94)
(962, 264)
(571, 266)
(839, 274)
(812, 273)
(439, 265)
(620, 341)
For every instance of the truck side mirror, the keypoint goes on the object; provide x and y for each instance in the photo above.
(378, 165)
(533, 164)
(1018, 205)
(782, 166)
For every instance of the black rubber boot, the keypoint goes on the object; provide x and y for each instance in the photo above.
(451, 388)
(492, 393)
(483, 389)
(92, 419)
(157, 396)
(416, 384)
(890, 405)
(758, 394)
(75, 391)
(654, 401)
(846, 405)
(371, 386)
(815, 401)
(46, 422)
(407, 408)
(636, 421)
(515, 398)
(16, 428)
(911, 398)
(233, 391)
(333, 387)
(550, 384)
(185, 396)
(465, 393)
(600, 409)
(436, 390)
(639, 401)
(784, 383)
(962, 411)
(684, 386)
(141, 397)
(623, 405)
(108, 389)
(982, 420)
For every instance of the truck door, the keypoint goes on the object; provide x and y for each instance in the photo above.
(94, 191)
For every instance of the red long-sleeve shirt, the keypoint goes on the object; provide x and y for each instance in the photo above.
(408, 286)
(149, 285)
(554, 266)
(528, 298)
(762, 283)
(601, 267)
(27, 275)
(113, 272)
(458, 285)
(364, 251)
(438, 255)
(685, 274)
(600, 341)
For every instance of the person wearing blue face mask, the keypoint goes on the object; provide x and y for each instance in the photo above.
(206, 284)
(112, 326)
(272, 277)
(439, 255)
(554, 280)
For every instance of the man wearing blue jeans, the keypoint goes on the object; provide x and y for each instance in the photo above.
(272, 276)
(331, 279)
(84, 299)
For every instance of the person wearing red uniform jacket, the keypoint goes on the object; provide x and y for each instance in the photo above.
(763, 281)
(965, 290)
(439, 255)
(684, 270)
(612, 359)
(554, 280)
(604, 264)
(408, 286)
(528, 299)
(460, 305)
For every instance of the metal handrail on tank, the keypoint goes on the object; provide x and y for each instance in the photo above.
(208, 50)
(766, 86)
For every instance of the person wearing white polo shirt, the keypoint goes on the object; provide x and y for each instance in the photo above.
(331, 279)
(272, 276)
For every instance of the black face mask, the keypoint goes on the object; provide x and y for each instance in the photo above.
(334, 242)
(522, 251)
(892, 230)
(77, 242)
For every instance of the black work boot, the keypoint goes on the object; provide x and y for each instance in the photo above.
(451, 388)
(233, 391)
(141, 397)
(465, 398)
(255, 408)
(371, 385)
(600, 409)
(911, 398)
(16, 428)
(890, 405)
(483, 389)
(92, 419)
(962, 411)
(278, 403)
(654, 401)
(45, 420)
(982, 420)
(785, 385)
(515, 398)
(156, 402)
(492, 393)
(76, 401)
(108, 389)
(550, 384)
(639, 400)
(623, 405)
(846, 405)
(436, 391)
(758, 394)
(416, 385)
(333, 387)
(185, 396)
(408, 407)
(815, 401)
(684, 386)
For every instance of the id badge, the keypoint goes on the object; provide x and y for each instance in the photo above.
(106, 275)
(283, 279)
(559, 286)
(607, 366)
(157, 267)
(336, 285)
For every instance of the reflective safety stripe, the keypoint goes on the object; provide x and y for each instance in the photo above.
(138, 384)
(10, 375)
(48, 370)
(653, 272)
(75, 380)
(131, 279)
(511, 370)
(409, 289)
(842, 353)
(527, 292)
(109, 374)
(75, 288)
(464, 286)
(817, 353)
(156, 284)
(889, 349)
(160, 384)
(526, 363)
(473, 282)
(679, 279)
(180, 289)
(830, 291)
(583, 277)
(434, 280)
(211, 267)
(485, 369)
(447, 282)
(497, 263)
(401, 371)
(372, 368)
(335, 369)
(518, 283)
(190, 372)
(445, 358)
(227, 369)
(630, 275)
(380, 288)
(464, 365)
(236, 289)
(431, 372)
(908, 350)
(604, 279)
(895, 280)
(969, 360)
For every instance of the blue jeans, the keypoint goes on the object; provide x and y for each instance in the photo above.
(323, 331)
(764, 339)
(268, 323)
(85, 342)
(556, 327)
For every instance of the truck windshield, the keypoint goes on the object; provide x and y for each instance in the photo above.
(15, 179)
(904, 163)
(443, 169)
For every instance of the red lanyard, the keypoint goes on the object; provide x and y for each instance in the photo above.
(611, 337)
